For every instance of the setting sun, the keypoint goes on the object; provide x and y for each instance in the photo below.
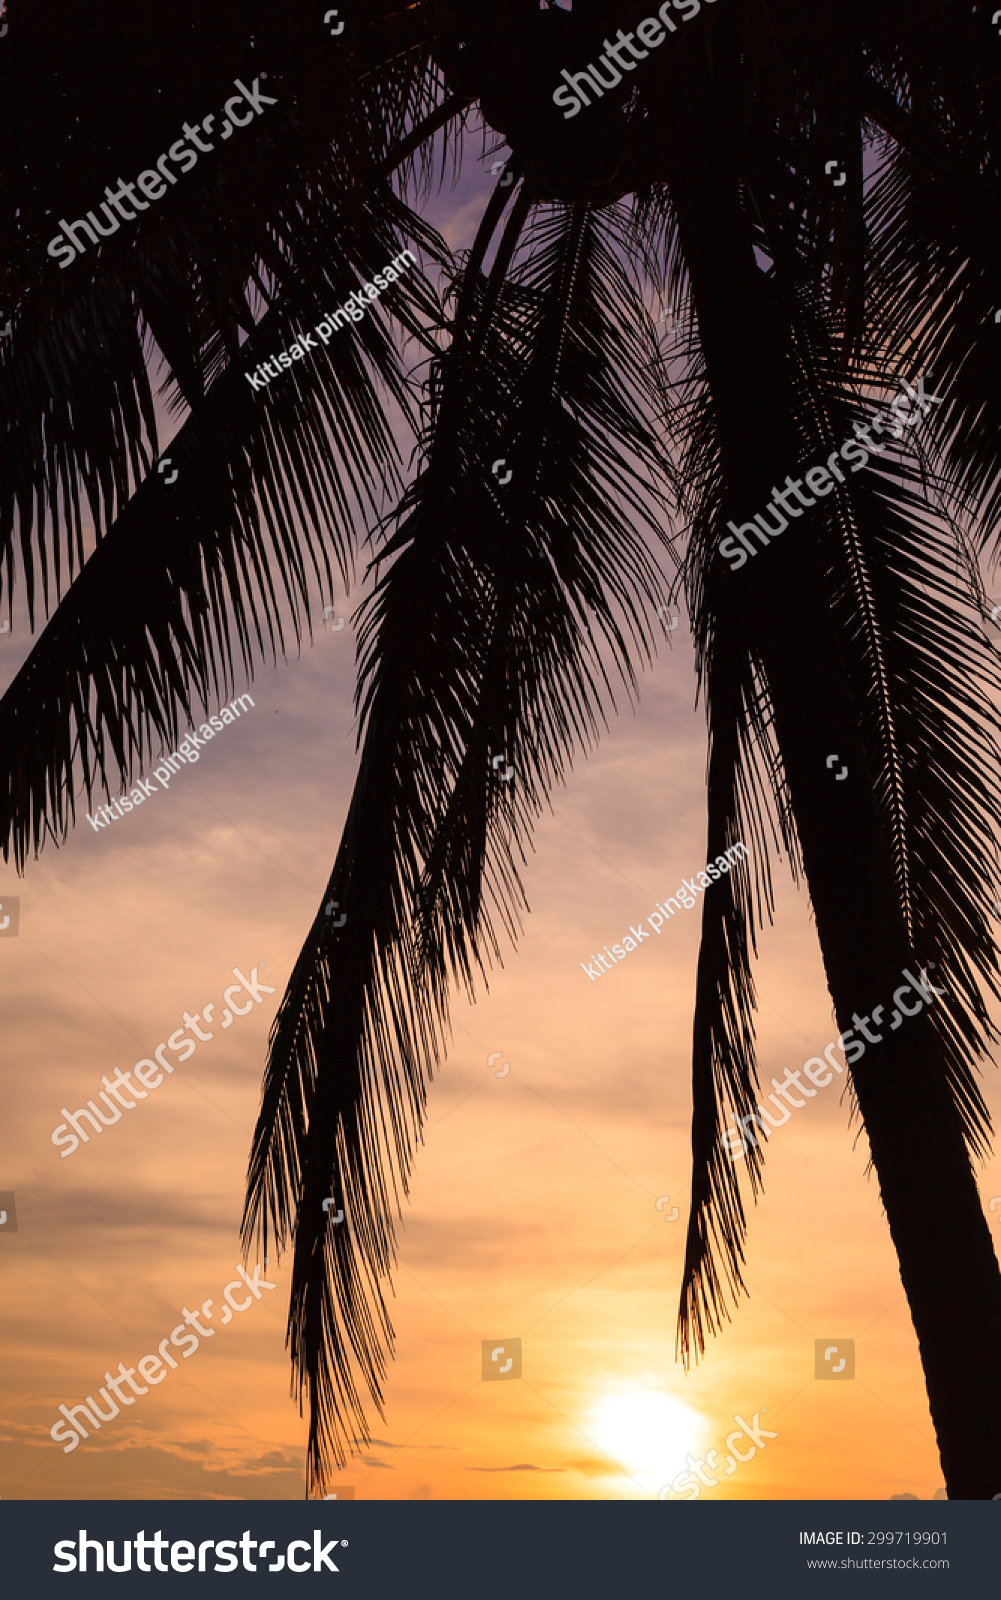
(648, 1432)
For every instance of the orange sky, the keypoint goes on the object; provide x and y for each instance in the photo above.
(533, 1211)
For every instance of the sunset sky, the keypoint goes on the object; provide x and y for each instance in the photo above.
(533, 1212)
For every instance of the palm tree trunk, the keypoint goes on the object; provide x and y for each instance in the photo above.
(947, 1262)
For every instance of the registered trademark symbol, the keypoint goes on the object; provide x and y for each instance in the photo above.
(344, 1542)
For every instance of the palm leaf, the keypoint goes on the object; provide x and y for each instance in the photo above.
(182, 587)
(479, 637)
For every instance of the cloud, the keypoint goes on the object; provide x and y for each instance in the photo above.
(385, 1444)
(521, 1466)
(132, 1470)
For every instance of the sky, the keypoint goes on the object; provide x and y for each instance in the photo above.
(542, 1205)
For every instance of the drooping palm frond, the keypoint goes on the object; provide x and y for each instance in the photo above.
(900, 591)
(897, 591)
(924, 685)
(186, 577)
(499, 614)
(183, 582)
(936, 239)
(252, 221)
(748, 802)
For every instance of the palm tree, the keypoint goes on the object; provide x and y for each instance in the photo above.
(501, 618)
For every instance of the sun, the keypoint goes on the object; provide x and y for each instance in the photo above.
(648, 1432)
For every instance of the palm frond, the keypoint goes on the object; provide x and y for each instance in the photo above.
(923, 683)
(498, 616)
(183, 585)
(257, 223)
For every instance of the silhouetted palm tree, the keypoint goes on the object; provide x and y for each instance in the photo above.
(727, 170)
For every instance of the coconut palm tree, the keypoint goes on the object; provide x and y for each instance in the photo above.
(813, 189)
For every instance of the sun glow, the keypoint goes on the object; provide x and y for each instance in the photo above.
(649, 1433)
